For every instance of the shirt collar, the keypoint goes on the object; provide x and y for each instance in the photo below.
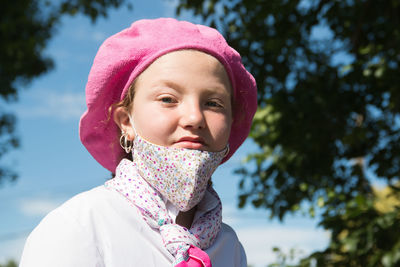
(208, 203)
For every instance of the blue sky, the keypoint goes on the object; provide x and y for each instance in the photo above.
(53, 165)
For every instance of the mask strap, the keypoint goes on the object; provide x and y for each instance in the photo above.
(227, 149)
(133, 125)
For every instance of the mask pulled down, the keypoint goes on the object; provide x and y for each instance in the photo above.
(181, 175)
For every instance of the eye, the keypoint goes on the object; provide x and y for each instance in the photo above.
(214, 103)
(167, 99)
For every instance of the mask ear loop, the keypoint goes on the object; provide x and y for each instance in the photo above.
(227, 149)
(133, 125)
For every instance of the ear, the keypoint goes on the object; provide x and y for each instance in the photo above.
(121, 118)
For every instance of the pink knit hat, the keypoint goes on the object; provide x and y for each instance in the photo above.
(123, 56)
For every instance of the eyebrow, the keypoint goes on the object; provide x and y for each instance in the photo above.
(170, 84)
(213, 89)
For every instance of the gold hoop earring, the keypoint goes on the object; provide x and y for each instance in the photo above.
(125, 143)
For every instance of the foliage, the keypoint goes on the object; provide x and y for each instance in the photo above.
(285, 259)
(26, 26)
(328, 120)
(10, 263)
(361, 236)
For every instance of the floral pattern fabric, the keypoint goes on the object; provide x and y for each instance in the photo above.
(177, 239)
(179, 174)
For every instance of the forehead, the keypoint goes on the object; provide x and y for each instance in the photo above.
(185, 66)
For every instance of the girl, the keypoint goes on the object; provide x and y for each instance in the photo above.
(168, 101)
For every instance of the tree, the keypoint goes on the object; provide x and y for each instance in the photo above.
(328, 121)
(26, 26)
(10, 263)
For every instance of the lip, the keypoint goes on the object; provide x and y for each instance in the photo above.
(191, 142)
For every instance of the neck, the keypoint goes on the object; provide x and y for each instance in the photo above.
(185, 218)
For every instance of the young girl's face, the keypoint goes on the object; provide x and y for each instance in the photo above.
(183, 99)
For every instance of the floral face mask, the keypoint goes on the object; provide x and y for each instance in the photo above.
(179, 174)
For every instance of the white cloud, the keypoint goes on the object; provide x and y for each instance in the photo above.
(59, 105)
(98, 36)
(12, 249)
(231, 215)
(39, 207)
(86, 34)
(258, 242)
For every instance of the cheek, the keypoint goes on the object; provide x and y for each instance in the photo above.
(220, 127)
(152, 125)
(227, 129)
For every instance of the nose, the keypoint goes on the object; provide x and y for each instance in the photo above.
(192, 116)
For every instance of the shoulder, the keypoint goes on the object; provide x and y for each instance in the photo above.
(228, 230)
(227, 249)
(227, 234)
(87, 206)
(75, 228)
(59, 234)
(89, 200)
(85, 210)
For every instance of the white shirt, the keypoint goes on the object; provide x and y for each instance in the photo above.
(100, 228)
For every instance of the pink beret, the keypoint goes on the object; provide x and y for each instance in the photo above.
(123, 56)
